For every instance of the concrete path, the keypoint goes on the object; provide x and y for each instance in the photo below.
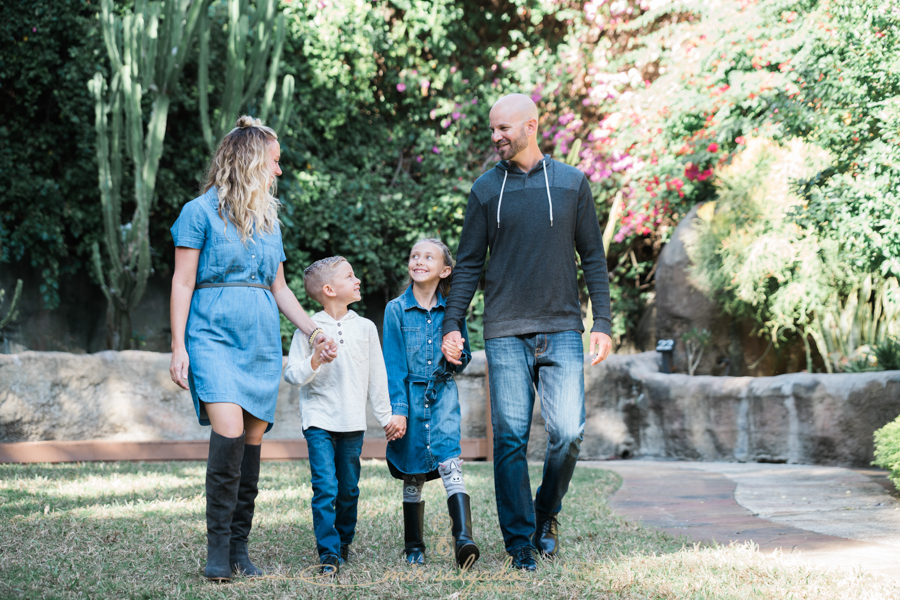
(828, 516)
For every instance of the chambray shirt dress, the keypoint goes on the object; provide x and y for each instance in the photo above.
(421, 385)
(233, 336)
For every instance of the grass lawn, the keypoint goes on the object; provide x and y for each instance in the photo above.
(137, 530)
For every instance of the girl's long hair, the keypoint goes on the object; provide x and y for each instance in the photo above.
(239, 170)
(444, 284)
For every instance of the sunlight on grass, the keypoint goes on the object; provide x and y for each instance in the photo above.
(132, 530)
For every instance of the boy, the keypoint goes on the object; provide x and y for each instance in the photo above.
(333, 403)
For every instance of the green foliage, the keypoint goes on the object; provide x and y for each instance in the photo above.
(695, 342)
(887, 354)
(887, 450)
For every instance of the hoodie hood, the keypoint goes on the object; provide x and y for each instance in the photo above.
(543, 165)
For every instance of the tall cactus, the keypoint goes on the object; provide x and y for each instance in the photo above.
(251, 44)
(147, 49)
(11, 313)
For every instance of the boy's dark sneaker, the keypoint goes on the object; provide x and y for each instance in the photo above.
(523, 558)
(330, 564)
(546, 535)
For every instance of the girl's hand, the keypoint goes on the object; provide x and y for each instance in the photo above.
(178, 370)
(329, 349)
(396, 428)
(452, 349)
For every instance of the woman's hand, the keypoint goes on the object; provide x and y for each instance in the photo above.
(178, 370)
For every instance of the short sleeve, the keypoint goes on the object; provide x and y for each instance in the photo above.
(280, 244)
(190, 230)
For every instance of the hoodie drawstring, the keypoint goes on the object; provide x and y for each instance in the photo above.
(505, 173)
(546, 182)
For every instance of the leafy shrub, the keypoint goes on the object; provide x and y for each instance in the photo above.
(887, 450)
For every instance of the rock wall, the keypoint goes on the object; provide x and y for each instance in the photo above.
(632, 410)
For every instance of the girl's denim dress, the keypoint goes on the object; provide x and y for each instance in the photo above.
(421, 386)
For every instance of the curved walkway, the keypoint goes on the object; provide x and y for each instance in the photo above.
(829, 516)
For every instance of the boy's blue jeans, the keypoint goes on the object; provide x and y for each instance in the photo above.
(554, 362)
(334, 464)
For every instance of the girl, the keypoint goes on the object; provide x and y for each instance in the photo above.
(422, 390)
(227, 290)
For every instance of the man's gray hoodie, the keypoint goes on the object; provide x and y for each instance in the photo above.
(531, 224)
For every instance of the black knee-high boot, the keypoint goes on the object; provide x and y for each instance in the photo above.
(414, 532)
(242, 521)
(461, 515)
(223, 477)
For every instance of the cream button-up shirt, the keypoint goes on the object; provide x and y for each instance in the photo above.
(334, 396)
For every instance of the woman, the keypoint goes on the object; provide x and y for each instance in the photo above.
(226, 344)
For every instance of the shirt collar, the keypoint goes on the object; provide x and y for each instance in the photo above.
(408, 300)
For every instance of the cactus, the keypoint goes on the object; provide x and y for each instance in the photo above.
(245, 70)
(147, 49)
(11, 313)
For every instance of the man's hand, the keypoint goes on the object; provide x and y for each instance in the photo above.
(602, 344)
(396, 428)
(452, 347)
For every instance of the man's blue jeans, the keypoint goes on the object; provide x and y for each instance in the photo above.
(554, 363)
(334, 464)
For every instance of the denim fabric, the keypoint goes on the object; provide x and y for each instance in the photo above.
(334, 464)
(554, 362)
(421, 384)
(233, 335)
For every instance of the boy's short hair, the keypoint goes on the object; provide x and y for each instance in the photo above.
(319, 274)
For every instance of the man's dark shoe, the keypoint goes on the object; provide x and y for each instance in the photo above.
(523, 558)
(546, 535)
(345, 552)
(330, 564)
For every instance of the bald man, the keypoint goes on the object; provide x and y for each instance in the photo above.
(532, 213)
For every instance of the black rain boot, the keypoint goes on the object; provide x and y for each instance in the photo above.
(464, 547)
(413, 532)
(242, 521)
(223, 476)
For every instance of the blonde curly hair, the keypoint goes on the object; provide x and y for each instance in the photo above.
(239, 171)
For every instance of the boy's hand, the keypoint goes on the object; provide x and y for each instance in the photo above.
(395, 429)
(320, 352)
(453, 349)
(329, 350)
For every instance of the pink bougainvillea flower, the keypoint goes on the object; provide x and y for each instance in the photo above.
(435, 149)
(705, 175)
(425, 84)
(446, 123)
(455, 116)
(691, 171)
(433, 113)
(740, 140)
(453, 69)
(714, 147)
(474, 100)
(419, 159)
(401, 87)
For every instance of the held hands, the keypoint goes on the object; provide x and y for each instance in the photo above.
(602, 343)
(396, 428)
(324, 350)
(452, 347)
(178, 370)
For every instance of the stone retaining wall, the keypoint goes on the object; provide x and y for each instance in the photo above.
(632, 409)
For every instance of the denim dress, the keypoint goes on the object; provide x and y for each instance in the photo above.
(233, 336)
(421, 386)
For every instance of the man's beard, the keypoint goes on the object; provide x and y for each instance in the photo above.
(515, 146)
